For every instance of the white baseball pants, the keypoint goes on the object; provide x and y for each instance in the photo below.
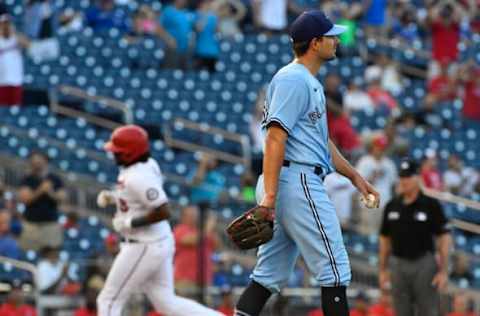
(146, 268)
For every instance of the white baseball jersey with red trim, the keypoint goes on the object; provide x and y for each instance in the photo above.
(139, 190)
(145, 261)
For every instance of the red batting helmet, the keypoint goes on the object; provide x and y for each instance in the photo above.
(129, 142)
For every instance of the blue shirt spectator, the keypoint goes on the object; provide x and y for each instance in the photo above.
(207, 183)
(178, 22)
(40, 20)
(207, 42)
(104, 15)
(375, 12)
(8, 245)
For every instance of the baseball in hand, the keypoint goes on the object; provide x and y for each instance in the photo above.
(370, 201)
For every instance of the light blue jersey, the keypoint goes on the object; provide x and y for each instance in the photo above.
(295, 99)
(306, 222)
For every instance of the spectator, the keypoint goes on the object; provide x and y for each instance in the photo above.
(461, 269)
(187, 241)
(105, 15)
(40, 21)
(271, 15)
(207, 182)
(207, 48)
(344, 135)
(470, 76)
(356, 99)
(72, 220)
(431, 176)
(444, 21)
(100, 266)
(387, 72)
(381, 172)
(71, 20)
(15, 305)
(8, 245)
(379, 95)
(341, 193)
(398, 145)
(90, 308)
(230, 13)
(333, 93)
(458, 178)
(375, 16)
(349, 16)
(227, 306)
(179, 23)
(461, 305)
(145, 24)
(52, 272)
(383, 307)
(360, 307)
(339, 126)
(405, 27)
(441, 87)
(41, 191)
(248, 185)
(11, 61)
(391, 78)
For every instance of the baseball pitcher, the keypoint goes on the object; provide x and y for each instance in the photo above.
(297, 156)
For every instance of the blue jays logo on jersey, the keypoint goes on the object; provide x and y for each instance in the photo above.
(315, 115)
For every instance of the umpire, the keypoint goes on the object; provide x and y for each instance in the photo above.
(413, 227)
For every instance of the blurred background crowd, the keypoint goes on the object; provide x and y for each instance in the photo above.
(406, 83)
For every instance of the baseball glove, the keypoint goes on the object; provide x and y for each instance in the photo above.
(253, 228)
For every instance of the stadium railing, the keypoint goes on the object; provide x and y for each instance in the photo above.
(69, 91)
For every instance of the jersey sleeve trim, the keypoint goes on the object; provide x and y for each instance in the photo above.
(279, 121)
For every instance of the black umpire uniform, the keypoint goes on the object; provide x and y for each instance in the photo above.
(413, 226)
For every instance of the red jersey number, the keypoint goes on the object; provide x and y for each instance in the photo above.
(123, 205)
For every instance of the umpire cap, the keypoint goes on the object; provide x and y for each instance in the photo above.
(408, 168)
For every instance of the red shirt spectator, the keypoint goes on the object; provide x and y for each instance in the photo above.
(380, 310)
(227, 310)
(186, 242)
(84, 312)
(11, 62)
(442, 87)
(315, 312)
(153, 313)
(432, 179)
(342, 132)
(381, 96)
(354, 312)
(471, 99)
(7, 309)
(445, 38)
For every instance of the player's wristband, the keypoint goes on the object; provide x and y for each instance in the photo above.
(139, 222)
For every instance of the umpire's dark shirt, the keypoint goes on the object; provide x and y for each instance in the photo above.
(412, 227)
(43, 209)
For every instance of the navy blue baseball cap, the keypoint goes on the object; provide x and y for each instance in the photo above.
(312, 24)
(408, 168)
